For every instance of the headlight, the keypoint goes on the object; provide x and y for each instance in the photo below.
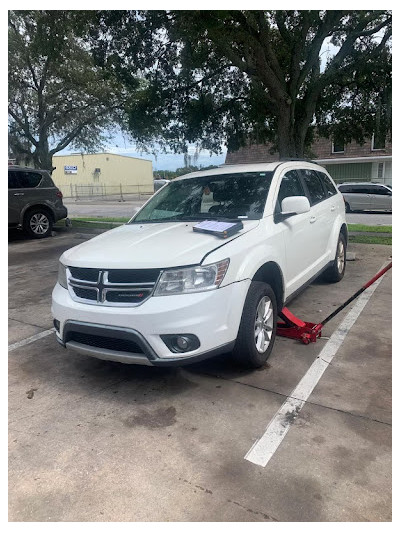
(193, 279)
(62, 275)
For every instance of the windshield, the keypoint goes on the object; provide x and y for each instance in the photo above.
(240, 195)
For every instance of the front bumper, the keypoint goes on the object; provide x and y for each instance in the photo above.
(213, 317)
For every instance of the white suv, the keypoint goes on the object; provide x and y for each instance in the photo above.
(155, 292)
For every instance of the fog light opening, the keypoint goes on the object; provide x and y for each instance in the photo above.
(57, 325)
(185, 342)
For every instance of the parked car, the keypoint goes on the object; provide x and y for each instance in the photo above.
(159, 183)
(34, 202)
(155, 292)
(366, 196)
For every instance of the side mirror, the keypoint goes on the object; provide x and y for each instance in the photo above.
(292, 205)
(295, 205)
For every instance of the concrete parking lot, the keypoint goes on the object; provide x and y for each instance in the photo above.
(92, 440)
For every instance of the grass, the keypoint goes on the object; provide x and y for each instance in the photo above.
(87, 224)
(101, 219)
(370, 239)
(371, 229)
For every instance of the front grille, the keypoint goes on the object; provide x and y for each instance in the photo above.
(86, 274)
(107, 343)
(149, 275)
(88, 294)
(116, 287)
(128, 296)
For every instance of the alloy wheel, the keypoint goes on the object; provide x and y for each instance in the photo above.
(264, 324)
(39, 223)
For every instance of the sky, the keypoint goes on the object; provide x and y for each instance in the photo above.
(162, 161)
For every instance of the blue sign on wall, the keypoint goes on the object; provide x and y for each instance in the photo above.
(70, 169)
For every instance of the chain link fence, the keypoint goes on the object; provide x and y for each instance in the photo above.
(100, 191)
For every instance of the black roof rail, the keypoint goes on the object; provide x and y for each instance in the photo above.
(298, 159)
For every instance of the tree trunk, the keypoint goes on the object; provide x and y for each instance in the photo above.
(42, 157)
(290, 144)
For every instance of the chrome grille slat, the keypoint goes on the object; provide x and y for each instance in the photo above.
(81, 282)
(121, 293)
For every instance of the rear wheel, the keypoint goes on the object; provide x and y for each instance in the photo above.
(38, 223)
(336, 272)
(257, 328)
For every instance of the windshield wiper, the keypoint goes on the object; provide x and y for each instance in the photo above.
(208, 216)
(190, 218)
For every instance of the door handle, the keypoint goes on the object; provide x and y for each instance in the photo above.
(19, 194)
(333, 208)
(312, 220)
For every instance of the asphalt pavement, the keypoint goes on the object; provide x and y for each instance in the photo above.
(95, 441)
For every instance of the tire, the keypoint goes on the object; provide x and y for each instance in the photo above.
(347, 206)
(336, 272)
(251, 349)
(38, 223)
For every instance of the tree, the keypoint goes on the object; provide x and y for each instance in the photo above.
(57, 95)
(171, 174)
(237, 77)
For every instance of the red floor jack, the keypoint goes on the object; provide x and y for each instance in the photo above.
(307, 332)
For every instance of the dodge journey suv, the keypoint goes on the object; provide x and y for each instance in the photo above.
(204, 267)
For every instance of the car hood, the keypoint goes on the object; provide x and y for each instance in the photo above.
(158, 245)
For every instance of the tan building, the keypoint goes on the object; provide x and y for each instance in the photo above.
(102, 174)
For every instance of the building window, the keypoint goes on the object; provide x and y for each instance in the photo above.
(96, 174)
(380, 170)
(378, 142)
(337, 147)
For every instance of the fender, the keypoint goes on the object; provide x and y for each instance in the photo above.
(332, 243)
(249, 255)
(29, 205)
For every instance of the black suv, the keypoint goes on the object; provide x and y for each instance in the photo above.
(34, 202)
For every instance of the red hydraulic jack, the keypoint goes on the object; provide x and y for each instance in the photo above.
(307, 332)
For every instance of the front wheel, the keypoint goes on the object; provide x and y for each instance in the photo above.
(336, 272)
(257, 330)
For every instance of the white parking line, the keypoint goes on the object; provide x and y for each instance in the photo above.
(264, 448)
(30, 339)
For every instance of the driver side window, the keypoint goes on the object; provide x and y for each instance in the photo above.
(290, 186)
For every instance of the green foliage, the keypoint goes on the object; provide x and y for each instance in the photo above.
(234, 77)
(58, 96)
(171, 174)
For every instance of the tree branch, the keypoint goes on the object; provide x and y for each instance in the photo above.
(23, 126)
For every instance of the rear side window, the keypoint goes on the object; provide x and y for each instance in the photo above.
(345, 188)
(380, 190)
(329, 186)
(290, 186)
(314, 185)
(361, 189)
(29, 180)
(13, 182)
